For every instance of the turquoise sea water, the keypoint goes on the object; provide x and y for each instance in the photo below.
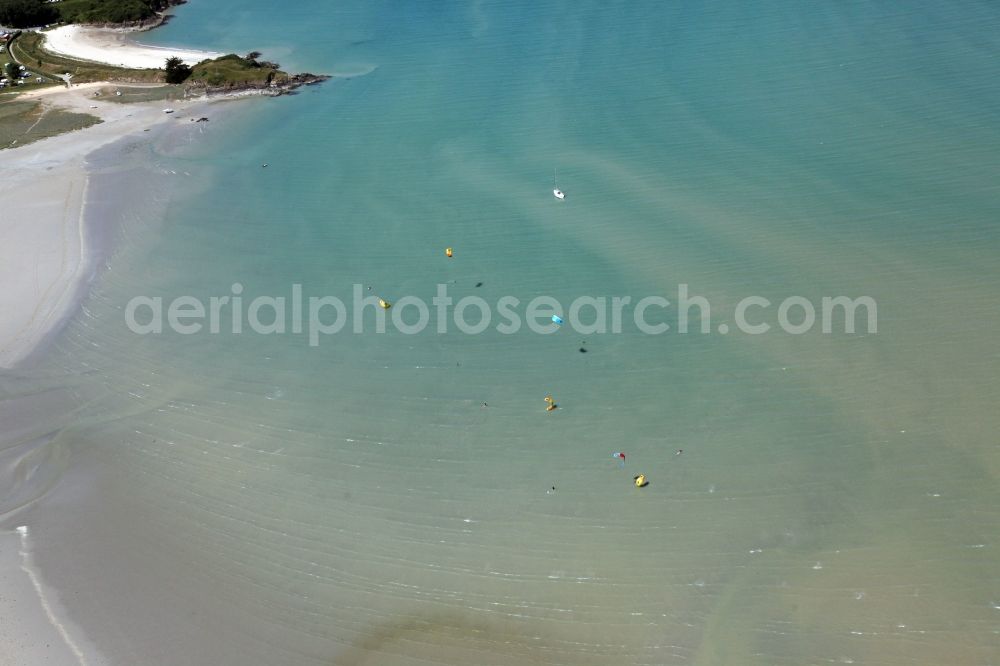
(251, 499)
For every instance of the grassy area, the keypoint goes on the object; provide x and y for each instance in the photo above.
(4, 57)
(23, 122)
(27, 49)
(232, 71)
(164, 93)
(29, 83)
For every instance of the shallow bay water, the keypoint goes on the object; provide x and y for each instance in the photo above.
(252, 499)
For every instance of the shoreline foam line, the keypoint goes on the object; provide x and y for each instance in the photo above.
(36, 628)
(28, 568)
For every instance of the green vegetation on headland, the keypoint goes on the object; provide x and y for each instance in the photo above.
(26, 13)
(109, 11)
(233, 72)
(33, 13)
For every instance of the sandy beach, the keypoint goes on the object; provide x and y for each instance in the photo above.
(114, 47)
(45, 261)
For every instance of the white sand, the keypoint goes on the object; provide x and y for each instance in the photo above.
(112, 47)
(44, 261)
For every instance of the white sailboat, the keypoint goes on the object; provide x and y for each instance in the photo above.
(556, 192)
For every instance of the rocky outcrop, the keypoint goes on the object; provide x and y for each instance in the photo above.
(274, 88)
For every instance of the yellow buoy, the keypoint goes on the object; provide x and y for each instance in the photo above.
(551, 406)
(384, 303)
(640, 481)
(548, 398)
(447, 252)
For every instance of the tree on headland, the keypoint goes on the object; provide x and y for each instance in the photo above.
(26, 13)
(252, 60)
(177, 71)
(11, 70)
